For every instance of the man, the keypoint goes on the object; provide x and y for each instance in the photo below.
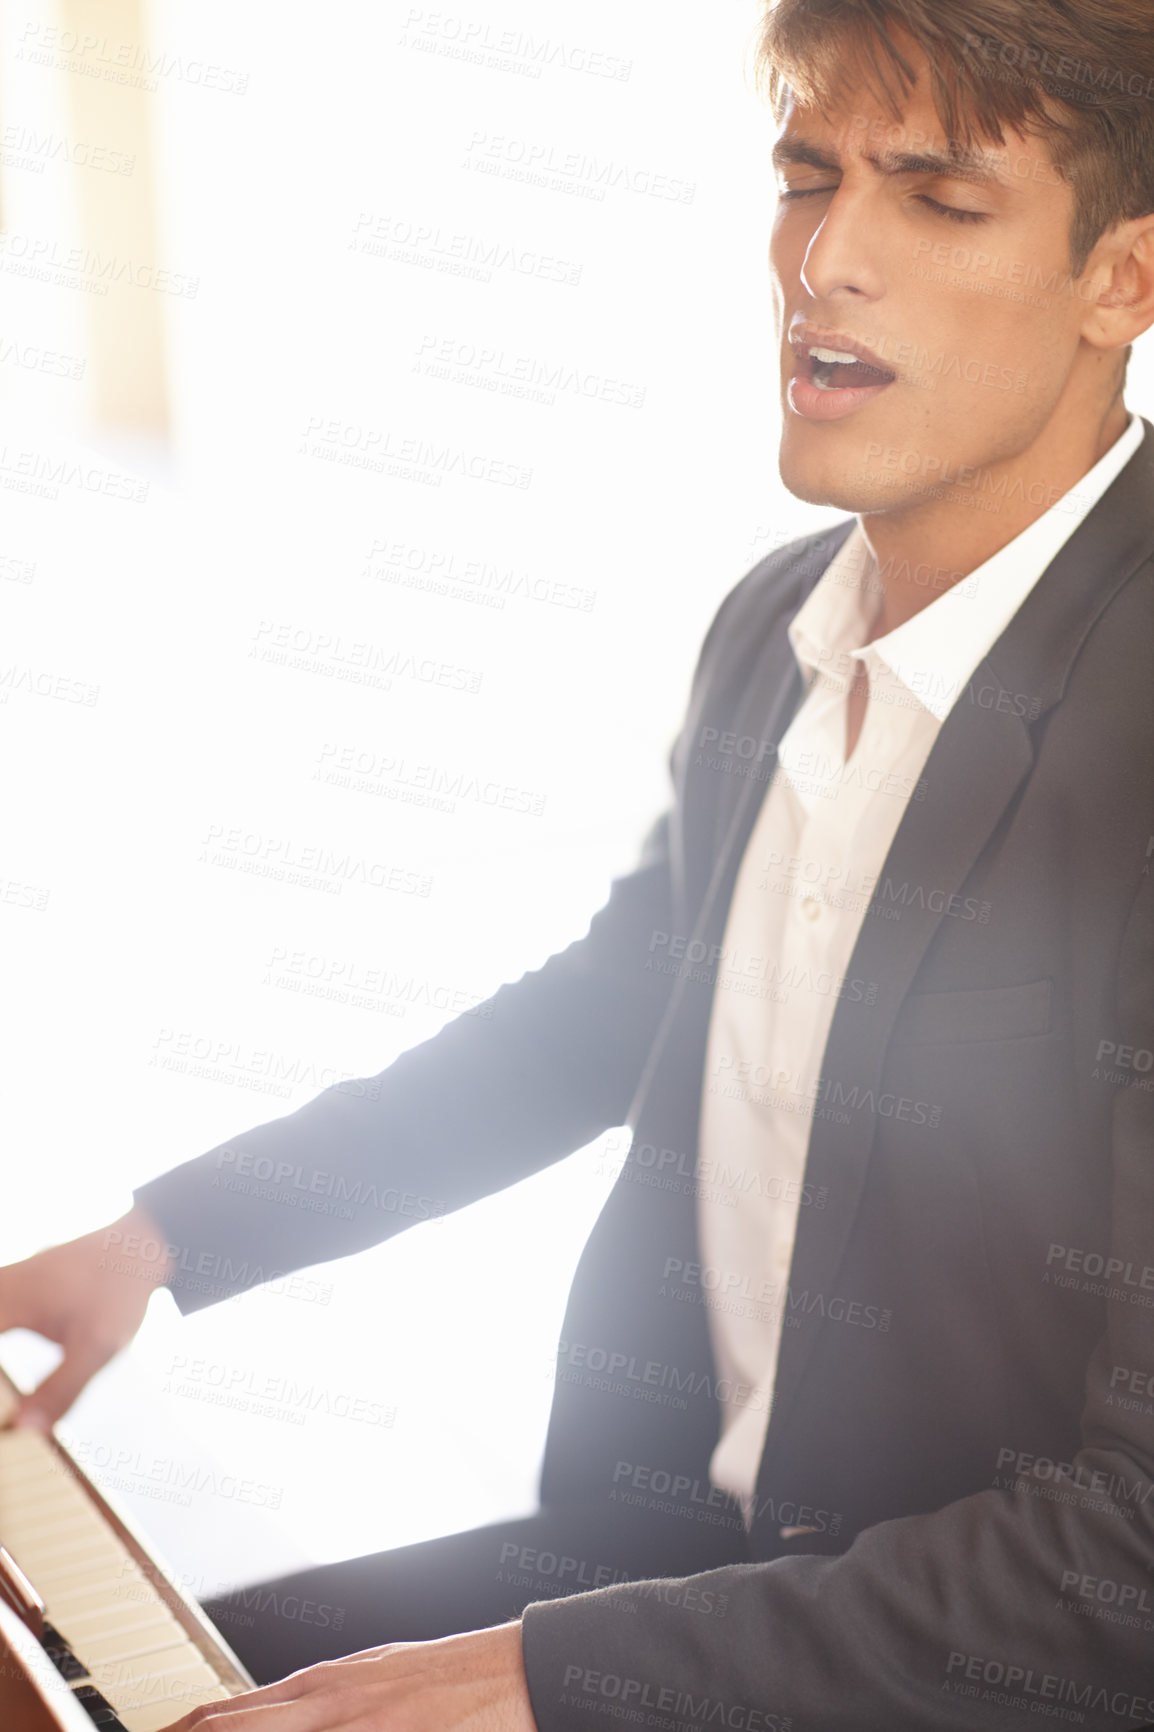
(858, 1367)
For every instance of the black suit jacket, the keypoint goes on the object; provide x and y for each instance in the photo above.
(964, 1407)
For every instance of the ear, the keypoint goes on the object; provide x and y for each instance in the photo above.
(1118, 285)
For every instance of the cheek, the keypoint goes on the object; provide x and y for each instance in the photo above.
(984, 342)
(789, 240)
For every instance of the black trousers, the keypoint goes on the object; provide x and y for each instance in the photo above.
(467, 1581)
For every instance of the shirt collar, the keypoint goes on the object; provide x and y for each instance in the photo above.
(839, 610)
(936, 651)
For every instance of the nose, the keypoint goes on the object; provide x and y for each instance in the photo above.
(845, 252)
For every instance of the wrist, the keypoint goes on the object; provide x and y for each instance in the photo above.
(137, 1246)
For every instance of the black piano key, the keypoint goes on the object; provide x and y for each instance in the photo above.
(100, 1710)
(59, 1651)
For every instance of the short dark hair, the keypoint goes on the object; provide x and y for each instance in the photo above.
(1078, 73)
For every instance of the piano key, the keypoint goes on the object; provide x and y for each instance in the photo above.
(93, 1623)
(122, 1644)
(41, 1500)
(25, 1450)
(27, 1447)
(47, 1477)
(115, 1583)
(143, 1668)
(101, 1712)
(62, 1654)
(91, 1581)
(70, 1531)
(134, 1673)
(72, 1599)
(68, 1517)
(168, 1680)
(73, 1562)
(169, 1674)
(67, 1607)
(135, 1679)
(23, 1480)
(70, 1520)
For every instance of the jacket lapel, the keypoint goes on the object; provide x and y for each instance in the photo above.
(769, 696)
(936, 845)
(683, 1030)
(980, 758)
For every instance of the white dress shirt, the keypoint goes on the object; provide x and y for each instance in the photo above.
(817, 850)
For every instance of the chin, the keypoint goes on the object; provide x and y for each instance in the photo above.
(820, 482)
(818, 472)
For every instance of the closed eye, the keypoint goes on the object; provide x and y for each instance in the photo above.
(952, 211)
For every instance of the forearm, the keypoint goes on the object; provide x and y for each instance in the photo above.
(925, 1622)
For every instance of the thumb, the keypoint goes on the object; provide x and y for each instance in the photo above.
(42, 1407)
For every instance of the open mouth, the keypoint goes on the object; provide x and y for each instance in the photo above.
(834, 373)
(837, 370)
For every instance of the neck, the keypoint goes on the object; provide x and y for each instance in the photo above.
(950, 538)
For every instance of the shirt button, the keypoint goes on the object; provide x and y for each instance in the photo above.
(811, 907)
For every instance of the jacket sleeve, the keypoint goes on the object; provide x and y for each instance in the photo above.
(512, 1085)
(1032, 1599)
(541, 1068)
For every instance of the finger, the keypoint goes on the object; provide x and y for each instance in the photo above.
(42, 1407)
(333, 1675)
(320, 1695)
(285, 1690)
(250, 1713)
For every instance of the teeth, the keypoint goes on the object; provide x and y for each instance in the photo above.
(833, 355)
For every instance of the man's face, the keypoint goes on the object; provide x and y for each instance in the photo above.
(953, 276)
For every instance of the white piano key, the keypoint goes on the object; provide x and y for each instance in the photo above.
(133, 1679)
(66, 1524)
(94, 1590)
(62, 1593)
(36, 1487)
(65, 1547)
(49, 1516)
(76, 1543)
(87, 1577)
(64, 1559)
(20, 1476)
(102, 1602)
(22, 1448)
(40, 1501)
(164, 1676)
(91, 1623)
(104, 1649)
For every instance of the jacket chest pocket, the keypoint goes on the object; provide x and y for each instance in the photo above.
(984, 1013)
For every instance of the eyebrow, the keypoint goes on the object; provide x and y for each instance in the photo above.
(958, 164)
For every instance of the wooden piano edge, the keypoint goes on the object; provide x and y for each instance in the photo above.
(199, 1629)
(35, 1697)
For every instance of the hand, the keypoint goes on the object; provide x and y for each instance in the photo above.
(474, 1682)
(90, 1296)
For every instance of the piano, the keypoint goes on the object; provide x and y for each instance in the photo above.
(92, 1632)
